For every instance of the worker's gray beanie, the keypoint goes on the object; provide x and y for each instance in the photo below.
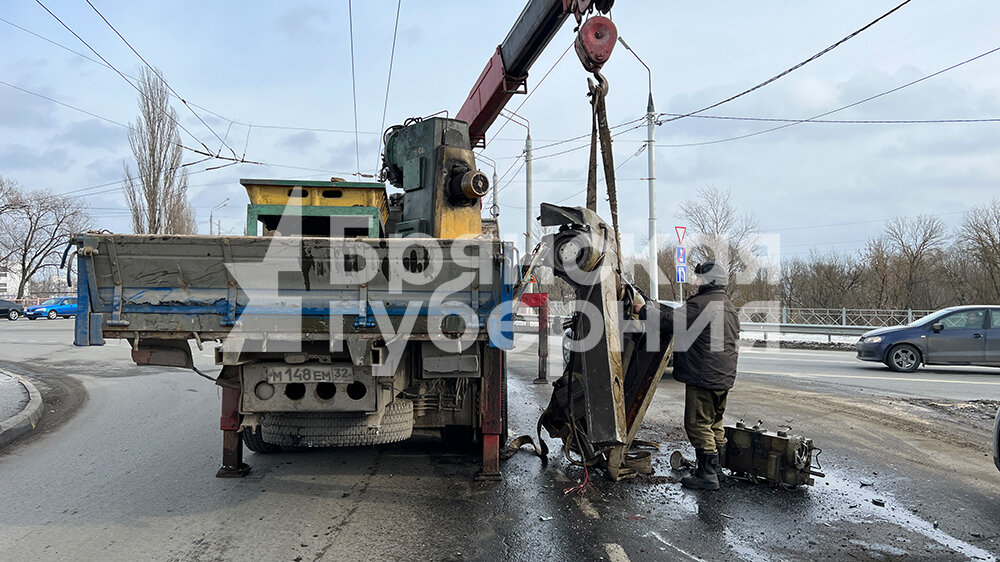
(712, 274)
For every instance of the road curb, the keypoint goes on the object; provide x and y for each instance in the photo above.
(20, 424)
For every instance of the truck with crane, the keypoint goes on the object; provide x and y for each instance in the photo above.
(355, 315)
(349, 315)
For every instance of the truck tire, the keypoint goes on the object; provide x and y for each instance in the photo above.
(254, 441)
(338, 429)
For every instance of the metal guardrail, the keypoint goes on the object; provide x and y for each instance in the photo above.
(809, 329)
(863, 318)
(867, 318)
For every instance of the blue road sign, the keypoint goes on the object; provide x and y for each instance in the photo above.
(681, 255)
(682, 273)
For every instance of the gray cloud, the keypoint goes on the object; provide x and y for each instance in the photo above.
(18, 109)
(107, 168)
(91, 133)
(301, 141)
(20, 157)
(303, 21)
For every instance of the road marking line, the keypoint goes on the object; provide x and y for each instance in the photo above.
(678, 549)
(587, 508)
(851, 361)
(817, 353)
(615, 552)
(864, 377)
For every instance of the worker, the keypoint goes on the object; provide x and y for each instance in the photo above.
(705, 357)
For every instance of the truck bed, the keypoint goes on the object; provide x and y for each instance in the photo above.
(205, 287)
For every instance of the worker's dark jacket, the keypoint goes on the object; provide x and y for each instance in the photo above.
(695, 362)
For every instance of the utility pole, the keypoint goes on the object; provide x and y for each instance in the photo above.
(528, 206)
(212, 212)
(529, 215)
(654, 269)
(495, 208)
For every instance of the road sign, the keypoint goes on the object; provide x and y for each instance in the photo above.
(681, 255)
(682, 273)
(680, 230)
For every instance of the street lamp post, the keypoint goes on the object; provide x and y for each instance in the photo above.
(212, 212)
(654, 270)
(529, 216)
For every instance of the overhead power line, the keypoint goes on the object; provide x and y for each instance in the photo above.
(84, 189)
(189, 102)
(510, 115)
(112, 67)
(46, 98)
(794, 68)
(388, 81)
(354, 87)
(846, 121)
(161, 79)
(842, 108)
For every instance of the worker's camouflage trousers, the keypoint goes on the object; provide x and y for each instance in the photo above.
(703, 411)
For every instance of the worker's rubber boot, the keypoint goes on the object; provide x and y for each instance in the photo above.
(705, 476)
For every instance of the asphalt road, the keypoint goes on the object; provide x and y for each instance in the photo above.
(122, 468)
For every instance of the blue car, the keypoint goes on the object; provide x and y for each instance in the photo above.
(960, 335)
(52, 309)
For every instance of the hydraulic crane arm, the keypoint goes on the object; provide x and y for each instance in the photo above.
(506, 73)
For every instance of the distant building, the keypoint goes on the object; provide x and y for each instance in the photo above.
(9, 280)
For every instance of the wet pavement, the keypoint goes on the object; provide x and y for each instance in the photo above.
(130, 475)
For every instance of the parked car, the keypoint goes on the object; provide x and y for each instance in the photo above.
(52, 309)
(11, 310)
(960, 335)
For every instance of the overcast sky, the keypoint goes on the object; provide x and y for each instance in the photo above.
(820, 186)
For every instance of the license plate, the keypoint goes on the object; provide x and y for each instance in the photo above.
(310, 374)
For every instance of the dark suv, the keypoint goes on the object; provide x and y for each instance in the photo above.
(11, 310)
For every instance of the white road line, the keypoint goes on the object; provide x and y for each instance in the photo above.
(831, 354)
(586, 507)
(657, 536)
(864, 377)
(829, 361)
(616, 553)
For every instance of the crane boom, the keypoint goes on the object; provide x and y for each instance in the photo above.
(506, 73)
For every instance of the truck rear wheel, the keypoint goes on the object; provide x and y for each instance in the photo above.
(254, 441)
(338, 429)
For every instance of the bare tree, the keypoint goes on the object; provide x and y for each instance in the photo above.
(10, 196)
(721, 233)
(32, 236)
(878, 262)
(918, 242)
(979, 242)
(157, 194)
